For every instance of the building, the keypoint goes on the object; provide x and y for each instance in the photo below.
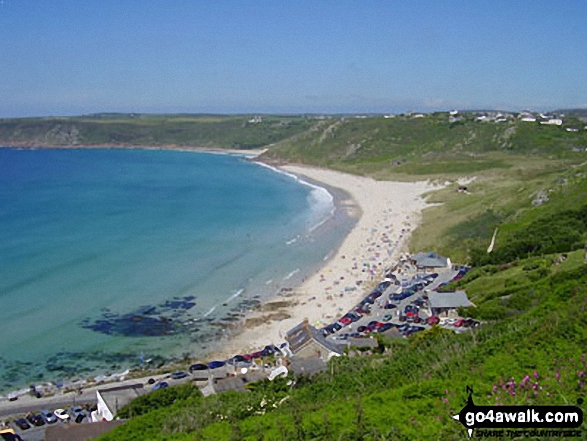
(307, 366)
(111, 400)
(445, 304)
(431, 261)
(553, 122)
(305, 341)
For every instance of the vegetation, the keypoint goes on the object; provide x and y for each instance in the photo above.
(530, 293)
(236, 132)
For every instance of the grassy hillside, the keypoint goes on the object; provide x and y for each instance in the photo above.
(531, 348)
(424, 146)
(181, 130)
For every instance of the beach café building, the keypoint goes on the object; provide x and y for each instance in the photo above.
(111, 400)
(446, 304)
(305, 341)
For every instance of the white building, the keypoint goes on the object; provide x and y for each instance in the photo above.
(553, 122)
(111, 400)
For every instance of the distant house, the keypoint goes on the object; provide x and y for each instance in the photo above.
(111, 400)
(572, 129)
(527, 117)
(430, 261)
(453, 112)
(305, 341)
(418, 115)
(553, 122)
(445, 304)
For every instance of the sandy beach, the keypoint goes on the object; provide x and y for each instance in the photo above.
(387, 212)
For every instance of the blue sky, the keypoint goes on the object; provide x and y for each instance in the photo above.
(68, 57)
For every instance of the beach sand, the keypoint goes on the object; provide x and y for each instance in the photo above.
(387, 212)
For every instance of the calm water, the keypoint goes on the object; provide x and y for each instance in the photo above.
(110, 256)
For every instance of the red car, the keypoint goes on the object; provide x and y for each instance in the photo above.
(433, 320)
(459, 323)
(345, 321)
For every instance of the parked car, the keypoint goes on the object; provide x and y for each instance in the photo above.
(345, 320)
(48, 416)
(160, 385)
(459, 323)
(178, 375)
(389, 306)
(36, 420)
(61, 414)
(471, 323)
(361, 329)
(387, 317)
(22, 424)
(385, 327)
(433, 320)
(77, 414)
(7, 434)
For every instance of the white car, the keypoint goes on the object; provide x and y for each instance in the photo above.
(61, 414)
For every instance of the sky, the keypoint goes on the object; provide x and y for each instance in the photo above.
(71, 57)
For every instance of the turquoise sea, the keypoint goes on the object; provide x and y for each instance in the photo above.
(112, 257)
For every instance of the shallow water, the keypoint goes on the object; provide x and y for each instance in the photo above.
(109, 257)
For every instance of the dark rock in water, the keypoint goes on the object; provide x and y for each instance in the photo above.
(145, 321)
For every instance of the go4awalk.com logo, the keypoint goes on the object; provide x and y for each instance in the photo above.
(553, 421)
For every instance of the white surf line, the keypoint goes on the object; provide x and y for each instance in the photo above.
(211, 311)
(293, 273)
(235, 295)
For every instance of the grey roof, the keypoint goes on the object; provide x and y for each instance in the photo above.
(232, 383)
(117, 397)
(430, 260)
(307, 366)
(299, 336)
(448, 299)
(363, 342)
(238, 383)
(304, 333)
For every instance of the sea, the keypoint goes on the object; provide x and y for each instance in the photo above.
(116, 258)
